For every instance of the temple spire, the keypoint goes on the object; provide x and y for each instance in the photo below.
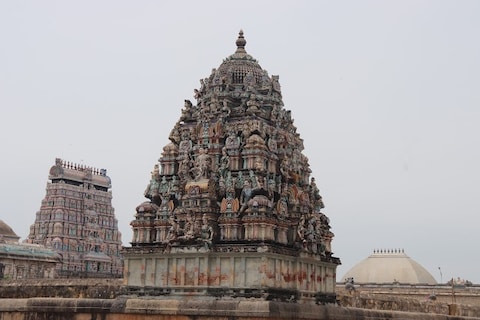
(241, 42)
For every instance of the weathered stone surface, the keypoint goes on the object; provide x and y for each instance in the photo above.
(265, 275)
(412, 299)
(199, 309)
(232, 207)
(66, 288)
(76, 219)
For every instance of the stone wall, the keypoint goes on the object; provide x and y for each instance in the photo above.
(235, 272)
(440, 293)
(184, 309)
(109, 299)
(419, 300)
(64, 288)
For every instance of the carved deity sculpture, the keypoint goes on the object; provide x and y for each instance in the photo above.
(174, 187)
(203, 165)
(206, 232)
(185, 167)
(189, 230)
(173, 231)
(301, 229)
(239, 181)
(252, 105)
(224, 163)
(164, 186)
(232, 141)
(186, 110)
(315, 196)
(152, 190)
(185, 143)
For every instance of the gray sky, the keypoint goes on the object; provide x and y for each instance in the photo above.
(385, 95)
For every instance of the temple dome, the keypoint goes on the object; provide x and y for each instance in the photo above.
(7, 233)
(237, 182)
(240, 64)
(389, 266)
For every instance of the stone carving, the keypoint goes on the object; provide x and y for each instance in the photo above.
(232, 141)
(206, 232)
(203, 165)
(186, 143)
(173, 231)
(184, 166)
(190, 230)
(224, 163)
(246, 194)
(235, 166)
(187, 110)
(253, 107)
(315, 196)
(313, 231)
(152, 191)
(163, 186)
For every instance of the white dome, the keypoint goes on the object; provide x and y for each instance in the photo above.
(389, 266)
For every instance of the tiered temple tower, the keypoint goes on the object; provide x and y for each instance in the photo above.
(232, 208)
(77, 220)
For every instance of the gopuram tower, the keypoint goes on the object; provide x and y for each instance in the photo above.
(77, 220)
(232, 209)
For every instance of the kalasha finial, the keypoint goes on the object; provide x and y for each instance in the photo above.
(241, 42)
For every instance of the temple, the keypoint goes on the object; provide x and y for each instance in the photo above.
(232, 209)
(23, 260)
(389, 266)
(77, 220)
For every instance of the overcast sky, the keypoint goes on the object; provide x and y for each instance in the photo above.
(385, 94)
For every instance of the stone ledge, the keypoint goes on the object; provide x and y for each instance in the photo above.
(10, 305)
(200, 308)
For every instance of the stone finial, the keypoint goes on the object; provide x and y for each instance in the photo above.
(241, 42)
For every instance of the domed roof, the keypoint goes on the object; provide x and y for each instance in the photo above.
(6, 233)
(239, 65)
(389, 266)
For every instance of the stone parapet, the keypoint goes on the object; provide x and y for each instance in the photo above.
(124, 308)
(111, 295)
(65, 288)
(440, 293)
(418, 301)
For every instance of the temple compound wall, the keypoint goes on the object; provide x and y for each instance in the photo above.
(207, 309)
(110, 299)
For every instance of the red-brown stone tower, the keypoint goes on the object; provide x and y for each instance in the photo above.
(76, 219)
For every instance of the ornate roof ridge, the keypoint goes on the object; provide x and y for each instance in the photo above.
(80, 167)
(389, 251)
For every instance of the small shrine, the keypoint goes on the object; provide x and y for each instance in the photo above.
(231, 208)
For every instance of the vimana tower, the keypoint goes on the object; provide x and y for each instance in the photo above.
(232, 209)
